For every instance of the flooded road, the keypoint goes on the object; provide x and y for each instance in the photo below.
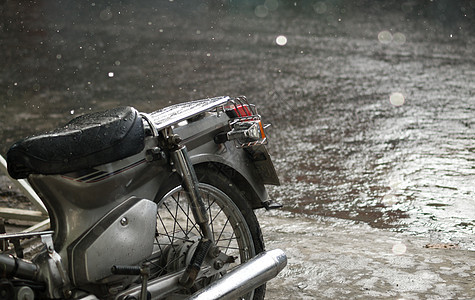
(372, 106)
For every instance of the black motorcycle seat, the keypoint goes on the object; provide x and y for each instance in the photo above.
(86, 141)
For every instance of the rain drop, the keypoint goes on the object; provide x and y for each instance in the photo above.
(399, 249)
(261, 11)
(111, 74)
(397, 99)
(385, 37)
(72, 111)
(399, 38)
(281, 40)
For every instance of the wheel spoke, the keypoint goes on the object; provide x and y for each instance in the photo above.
(164, 227)
(187, 215)
(174, 216)
(222, 231)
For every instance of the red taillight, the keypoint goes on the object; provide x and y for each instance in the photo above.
(239, 111)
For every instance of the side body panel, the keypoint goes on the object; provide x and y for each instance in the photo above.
(79, 202)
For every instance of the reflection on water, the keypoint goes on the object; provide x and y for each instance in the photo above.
(372, 107)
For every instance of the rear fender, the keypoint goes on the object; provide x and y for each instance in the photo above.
(250, 169)
(241, 171)
(248, 182)
(249, 185)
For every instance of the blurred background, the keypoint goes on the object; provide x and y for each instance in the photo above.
(372, 102)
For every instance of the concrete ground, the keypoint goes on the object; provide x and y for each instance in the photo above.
(335, 259)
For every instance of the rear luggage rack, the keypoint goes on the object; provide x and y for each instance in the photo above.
(247, 129)
(174, 114)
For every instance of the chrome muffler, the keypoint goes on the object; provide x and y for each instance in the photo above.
(245, 277)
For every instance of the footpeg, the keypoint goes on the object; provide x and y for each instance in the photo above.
(271, 204)
(143, 271)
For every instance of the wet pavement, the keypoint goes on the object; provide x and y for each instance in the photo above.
(371, 105)
(335, 259)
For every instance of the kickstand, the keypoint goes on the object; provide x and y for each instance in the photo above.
(144, 274)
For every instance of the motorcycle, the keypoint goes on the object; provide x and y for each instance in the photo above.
(147, 206)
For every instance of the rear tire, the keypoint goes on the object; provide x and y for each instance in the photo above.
(233, 223)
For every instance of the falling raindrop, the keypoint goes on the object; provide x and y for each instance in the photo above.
(399, 38)
(385, 37)
(397, 99)
(399, 249)
(281, 40)
(261, 11)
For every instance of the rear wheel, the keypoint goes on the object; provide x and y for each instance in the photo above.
(233, 224)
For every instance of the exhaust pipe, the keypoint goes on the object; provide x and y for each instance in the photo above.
(245, 277)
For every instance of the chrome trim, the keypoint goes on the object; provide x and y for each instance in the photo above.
(245, 277)
(25, 234)
(148, 118)
(174, 114)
